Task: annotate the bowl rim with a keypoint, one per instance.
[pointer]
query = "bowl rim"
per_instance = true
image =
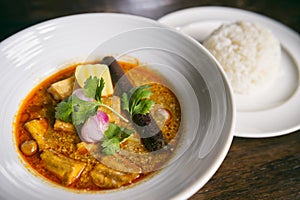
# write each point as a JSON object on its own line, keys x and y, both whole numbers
{"x": 189, "y": 191}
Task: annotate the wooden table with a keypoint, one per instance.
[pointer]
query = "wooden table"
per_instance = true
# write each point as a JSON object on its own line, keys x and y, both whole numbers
{"x": 254, "y": 168}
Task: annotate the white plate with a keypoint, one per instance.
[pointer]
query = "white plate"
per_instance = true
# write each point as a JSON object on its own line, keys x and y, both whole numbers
{"x": 276, "y": 110}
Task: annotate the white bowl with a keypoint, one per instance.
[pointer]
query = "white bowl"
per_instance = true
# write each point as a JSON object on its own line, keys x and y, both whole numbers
{"x": 205, "y": 97}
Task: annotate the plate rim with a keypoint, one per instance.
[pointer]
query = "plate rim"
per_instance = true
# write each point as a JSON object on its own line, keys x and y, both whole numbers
{"x": 169, "y": 19}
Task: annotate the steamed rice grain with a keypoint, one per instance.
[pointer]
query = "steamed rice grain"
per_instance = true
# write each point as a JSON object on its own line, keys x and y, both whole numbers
{"x": 249, "y": 54}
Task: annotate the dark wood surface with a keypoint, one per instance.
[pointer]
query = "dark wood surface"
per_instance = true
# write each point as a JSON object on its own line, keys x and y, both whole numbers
{"x": 254, "y": 168}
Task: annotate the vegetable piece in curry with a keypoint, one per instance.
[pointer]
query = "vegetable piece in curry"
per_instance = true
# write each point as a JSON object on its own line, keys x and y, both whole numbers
{"x": 87, "y": 137}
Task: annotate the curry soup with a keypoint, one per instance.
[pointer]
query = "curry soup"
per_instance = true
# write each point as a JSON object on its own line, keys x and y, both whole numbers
{"x": 55, "y": 136}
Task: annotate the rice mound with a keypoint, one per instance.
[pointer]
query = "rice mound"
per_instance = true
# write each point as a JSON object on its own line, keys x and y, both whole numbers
{"x": 249, "y": 54}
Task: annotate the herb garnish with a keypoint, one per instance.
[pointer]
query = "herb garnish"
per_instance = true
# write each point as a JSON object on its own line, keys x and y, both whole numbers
{"x": 138, "y": 100}
{"x": 114, "y": 135}
{"x": 82, "y": 110}
{"x": 93, "y": 88}
{"x": 64, "y": 110}
{"x": 76, "y": 110}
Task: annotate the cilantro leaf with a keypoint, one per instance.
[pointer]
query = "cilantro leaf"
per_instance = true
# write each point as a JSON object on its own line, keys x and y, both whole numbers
{"x": 99, "y": 89}
{"x": 125, "y": 133}
{"x": 82, "y": 110}
{"x": 112, "y": 131}
{"x": 93, "y": 88}
{"x": 64, "y": 110}
{"x": 90, "y": 87}
{"x": 139, "y": 101}
{"x": 143, "y": 107}
{"x": 110, "y": 146}
{"x": 113, "y": 136}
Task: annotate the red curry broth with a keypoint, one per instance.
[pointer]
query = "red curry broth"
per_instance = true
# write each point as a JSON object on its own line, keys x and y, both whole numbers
{"x": 40, "y": 104}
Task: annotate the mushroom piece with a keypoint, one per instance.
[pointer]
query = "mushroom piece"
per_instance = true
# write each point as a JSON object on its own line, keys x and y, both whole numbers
{"x": 29, "y": 147}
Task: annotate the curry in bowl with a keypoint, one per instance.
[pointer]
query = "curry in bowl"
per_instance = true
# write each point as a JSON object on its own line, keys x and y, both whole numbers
{"x": 99, "y": 126}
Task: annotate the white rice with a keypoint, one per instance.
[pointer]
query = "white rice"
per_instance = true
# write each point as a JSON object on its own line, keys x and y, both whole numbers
{"x": 249, "y": 54}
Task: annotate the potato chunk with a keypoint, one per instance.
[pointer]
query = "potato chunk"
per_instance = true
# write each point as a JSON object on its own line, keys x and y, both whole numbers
{"x": 38, "y": 128}
{"x": 62, "y": 89}
{"x": 67, "y": 169}
{"x": 105, "y": 177}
